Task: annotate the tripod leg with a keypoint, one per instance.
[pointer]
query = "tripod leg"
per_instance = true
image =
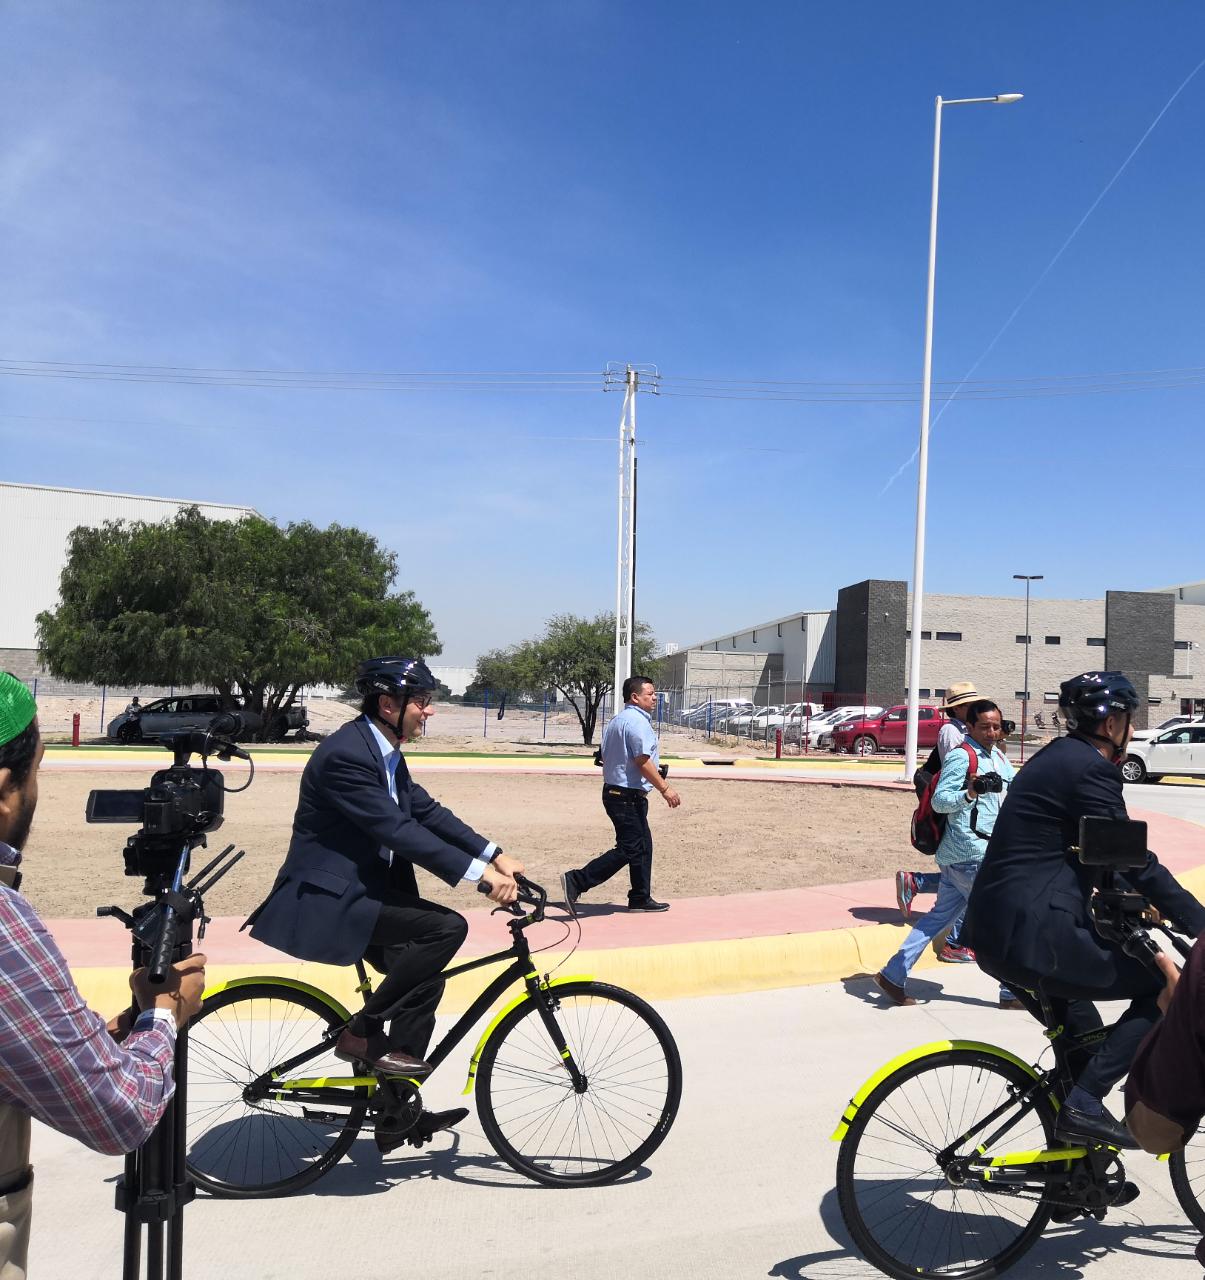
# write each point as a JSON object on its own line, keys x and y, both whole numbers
{"x": 132, "y": 1264}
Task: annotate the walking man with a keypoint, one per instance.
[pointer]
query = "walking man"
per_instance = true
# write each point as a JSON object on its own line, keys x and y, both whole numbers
{"x": 973, "y": 782}
{"x": 959, "y": 697}
{"x": 631, "y": 769}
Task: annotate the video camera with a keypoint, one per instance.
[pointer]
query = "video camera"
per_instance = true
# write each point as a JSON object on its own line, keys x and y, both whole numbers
{"x": 181, "y": 806}
{"x": 1120, "y": 915}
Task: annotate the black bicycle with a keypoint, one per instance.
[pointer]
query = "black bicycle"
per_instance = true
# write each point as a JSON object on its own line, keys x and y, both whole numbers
{"x": 949, "y": 1164}
{"x": 577, "y": 1082}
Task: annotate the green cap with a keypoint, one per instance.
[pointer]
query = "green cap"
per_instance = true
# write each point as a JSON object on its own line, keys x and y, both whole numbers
{"x": 17, "y": 708}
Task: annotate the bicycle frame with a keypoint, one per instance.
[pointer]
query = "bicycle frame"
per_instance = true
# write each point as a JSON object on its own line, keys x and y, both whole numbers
{"x": 334, "y": 1089}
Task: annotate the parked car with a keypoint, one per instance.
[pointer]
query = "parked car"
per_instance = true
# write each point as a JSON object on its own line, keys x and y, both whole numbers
{"x": 749, "y": 720}
{"x": 1145, "y": 735}
{"x": 818, "y": 733}
{"x": 1178, "y": 751}
{"x": 717, "y": 709}
{"x": 865, "y": 735}
{"x": 197, "y": 711}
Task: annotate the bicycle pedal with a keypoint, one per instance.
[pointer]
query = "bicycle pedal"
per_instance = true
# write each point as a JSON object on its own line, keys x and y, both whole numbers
{"x": 323, "y": 1117}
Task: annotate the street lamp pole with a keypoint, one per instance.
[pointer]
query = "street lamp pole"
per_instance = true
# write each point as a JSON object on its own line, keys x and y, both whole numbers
{"x": 922, "y": 484}
{"x": 1026, "y": 578}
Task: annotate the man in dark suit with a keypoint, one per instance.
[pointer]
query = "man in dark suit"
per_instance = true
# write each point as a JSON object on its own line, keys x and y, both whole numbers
{"x": 1028, "y": 918}
{"x": 347, "y": 889}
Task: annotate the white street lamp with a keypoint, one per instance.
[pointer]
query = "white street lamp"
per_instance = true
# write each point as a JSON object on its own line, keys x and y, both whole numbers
{"x": 1026, "y": 578}
{"x": 918, "y": 564}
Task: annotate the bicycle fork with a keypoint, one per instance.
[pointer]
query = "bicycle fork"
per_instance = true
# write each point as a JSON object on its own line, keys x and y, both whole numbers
{"x": 547, "y": 1004}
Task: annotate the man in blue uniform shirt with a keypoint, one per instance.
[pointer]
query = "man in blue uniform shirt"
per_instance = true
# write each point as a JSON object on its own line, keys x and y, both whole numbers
{"x": 630, "y": 757}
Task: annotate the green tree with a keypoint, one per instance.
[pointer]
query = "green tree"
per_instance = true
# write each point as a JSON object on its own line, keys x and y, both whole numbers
{"x": 246, "y": 607}
{"x": 575, "y": 656}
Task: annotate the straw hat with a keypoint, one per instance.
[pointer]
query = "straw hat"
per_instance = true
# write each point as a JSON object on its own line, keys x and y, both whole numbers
{"x": 960, "y": 693}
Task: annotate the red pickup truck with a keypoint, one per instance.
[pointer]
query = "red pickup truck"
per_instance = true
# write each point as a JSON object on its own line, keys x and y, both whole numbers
{"x": 888, "y": 731}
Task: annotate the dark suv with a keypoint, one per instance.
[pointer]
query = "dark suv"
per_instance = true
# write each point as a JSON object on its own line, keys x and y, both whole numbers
{"x": 197, "y": 711}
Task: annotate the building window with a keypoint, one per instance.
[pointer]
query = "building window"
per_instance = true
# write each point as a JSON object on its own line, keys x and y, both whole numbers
{"x": 1022, "y": 695}
{"x": 939, "y": 693}
{"x": 1182, "y": 644}
{"x": 734, "y": 642}
{"x": 1025, "y": 639}
{"x": 1053, "y": 640}
{"x": 1154, "y": 701}
{"x": 803, "y": 623}
{"x": 949, "y": 635}
{"x": 1097, "y": 642}
{"x": 924, "y": 693}
{"x": 1050, "y": 697}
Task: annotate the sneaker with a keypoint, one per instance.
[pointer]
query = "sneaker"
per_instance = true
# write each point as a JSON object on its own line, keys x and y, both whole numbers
{"x": 905, "y": 891}
{"x": 956, "y": 955}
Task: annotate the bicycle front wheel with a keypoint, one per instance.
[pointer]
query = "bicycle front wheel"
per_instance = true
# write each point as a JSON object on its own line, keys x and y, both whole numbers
{"x": 1188, "y": 1179}
{"x": 561, "y": 1135}
{"x": 912, "y": 1216}
{"x": 246, "y": 1136}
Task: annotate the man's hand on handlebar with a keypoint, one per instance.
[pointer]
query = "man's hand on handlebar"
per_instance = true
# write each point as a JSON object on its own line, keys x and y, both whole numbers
{"x": 1167, "y": 967}
{"x": 501, "y": 884}
{"x": 508, "y": 866}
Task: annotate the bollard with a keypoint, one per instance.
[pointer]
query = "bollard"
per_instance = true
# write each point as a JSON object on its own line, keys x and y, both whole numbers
{"x": 75, "y": 730}
{"x": 777, "y": 744}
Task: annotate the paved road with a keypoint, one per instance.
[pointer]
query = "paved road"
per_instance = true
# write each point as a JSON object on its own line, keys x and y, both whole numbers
{"x": 743, "y": 1187}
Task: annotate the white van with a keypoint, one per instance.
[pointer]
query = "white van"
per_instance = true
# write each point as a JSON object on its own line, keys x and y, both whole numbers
{"x": 1178, "y": 751}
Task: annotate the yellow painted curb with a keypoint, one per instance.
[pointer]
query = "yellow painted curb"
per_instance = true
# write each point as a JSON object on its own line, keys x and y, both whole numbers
{"x": 676, "y": 970}
{"x": 796, "y": 762}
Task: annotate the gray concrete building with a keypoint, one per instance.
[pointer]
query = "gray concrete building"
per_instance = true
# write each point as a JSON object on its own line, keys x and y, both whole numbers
{"x": 862, "y": 649}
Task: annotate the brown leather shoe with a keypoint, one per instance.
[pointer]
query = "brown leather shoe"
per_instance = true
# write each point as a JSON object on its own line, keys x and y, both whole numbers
{"x": 375, "y": 1051}
{"x": 897, "y": 995}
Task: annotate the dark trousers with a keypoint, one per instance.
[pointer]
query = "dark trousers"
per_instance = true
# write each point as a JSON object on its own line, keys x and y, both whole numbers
{"x": 413, "y": 941}
{"x": 1098, "y": 1069}
{"x": 628, "y": 809}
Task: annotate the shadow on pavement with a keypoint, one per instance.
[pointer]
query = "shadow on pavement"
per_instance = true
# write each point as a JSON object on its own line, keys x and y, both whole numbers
{"x": 861, "y": 986}
{"x": 1066, "y": 1252}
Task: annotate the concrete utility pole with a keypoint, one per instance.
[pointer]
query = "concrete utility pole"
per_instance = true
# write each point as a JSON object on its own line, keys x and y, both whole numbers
{"x": 635, "y": 379}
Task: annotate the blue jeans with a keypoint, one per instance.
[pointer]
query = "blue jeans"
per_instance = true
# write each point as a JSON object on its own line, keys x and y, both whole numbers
{"x": 953, "y": 890}
{"x": 927, "y": 882}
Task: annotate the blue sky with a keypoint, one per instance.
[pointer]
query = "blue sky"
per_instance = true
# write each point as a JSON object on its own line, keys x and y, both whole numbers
{"x": 725, "y": 192}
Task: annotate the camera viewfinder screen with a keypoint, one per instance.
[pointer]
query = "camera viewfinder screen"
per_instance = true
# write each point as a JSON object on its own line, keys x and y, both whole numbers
{"x": 114, "y": 806}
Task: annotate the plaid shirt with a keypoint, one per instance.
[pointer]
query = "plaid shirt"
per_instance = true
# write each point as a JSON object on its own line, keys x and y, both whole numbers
{"x": 58, "y": 1062}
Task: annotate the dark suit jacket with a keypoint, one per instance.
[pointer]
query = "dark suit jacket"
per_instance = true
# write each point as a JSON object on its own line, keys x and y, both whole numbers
{"x": 1028, "y": 915}
{"x": 327, "y": 896}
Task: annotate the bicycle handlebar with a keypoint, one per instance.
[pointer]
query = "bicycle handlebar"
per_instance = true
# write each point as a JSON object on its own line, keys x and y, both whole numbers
{"x": 529, "y": 892}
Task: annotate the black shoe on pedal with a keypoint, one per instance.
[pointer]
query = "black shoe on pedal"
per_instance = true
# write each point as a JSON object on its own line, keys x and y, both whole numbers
{"x": 421, "y": 1131}
{"x": 1075, "y": 1126}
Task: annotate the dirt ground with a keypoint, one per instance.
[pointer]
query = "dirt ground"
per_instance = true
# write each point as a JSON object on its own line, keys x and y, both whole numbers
{"x": 727, "y": 837}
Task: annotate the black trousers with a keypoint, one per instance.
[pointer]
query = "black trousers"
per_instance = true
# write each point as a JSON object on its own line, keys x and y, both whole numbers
{"x": 413, "y": 941}
{"x": 1099, "y": 1066}
{"x": 628, "y": 809}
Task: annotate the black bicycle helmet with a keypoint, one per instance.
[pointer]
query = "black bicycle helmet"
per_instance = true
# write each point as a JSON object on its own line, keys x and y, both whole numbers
{"x": 394, "y": 675}
{"x": 1089, "y": 698}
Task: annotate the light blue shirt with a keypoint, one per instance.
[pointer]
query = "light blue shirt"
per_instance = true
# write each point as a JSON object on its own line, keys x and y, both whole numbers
{"x": 629, "y": 734}
{"x": 392, "y": 756}
{"x": 960, "y": 843}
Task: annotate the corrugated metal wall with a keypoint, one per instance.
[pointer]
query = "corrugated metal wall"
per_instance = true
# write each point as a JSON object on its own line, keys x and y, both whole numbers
{"x": 34, "y": 525}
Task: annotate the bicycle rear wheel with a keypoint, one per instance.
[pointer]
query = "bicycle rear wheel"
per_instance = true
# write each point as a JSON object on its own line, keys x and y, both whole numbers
{"x": 244, "y": 1140}
{"x": 541, "y": 1125}
{"x": 910, "y": 1216}
{"x": 1188, "y": 1179}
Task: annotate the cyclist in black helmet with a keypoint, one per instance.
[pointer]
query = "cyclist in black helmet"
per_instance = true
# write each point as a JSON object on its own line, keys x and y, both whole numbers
{"x": 347, "y": 890}
{"x": 1028, "y": 917}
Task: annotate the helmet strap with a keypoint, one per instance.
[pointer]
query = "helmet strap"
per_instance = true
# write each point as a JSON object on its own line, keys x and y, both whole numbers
{"x": 1117, "y": 752}
{"x": 395, "y": 729}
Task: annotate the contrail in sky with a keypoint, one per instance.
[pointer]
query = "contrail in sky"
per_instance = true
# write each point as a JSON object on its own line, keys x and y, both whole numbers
{"x": 1037, "y": 284}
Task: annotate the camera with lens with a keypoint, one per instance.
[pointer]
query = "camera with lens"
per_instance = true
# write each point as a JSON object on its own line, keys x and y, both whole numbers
{"x": 182, "y": 804}
{"x": 984, "y": 783}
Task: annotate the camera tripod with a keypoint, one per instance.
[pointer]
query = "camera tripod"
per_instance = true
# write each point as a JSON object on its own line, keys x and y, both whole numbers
{"x": 154, "y": 1187}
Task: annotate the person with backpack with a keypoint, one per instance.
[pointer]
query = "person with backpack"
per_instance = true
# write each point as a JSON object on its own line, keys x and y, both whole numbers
{"x": 961, "y": 695}
{"x": 967, "y": 794}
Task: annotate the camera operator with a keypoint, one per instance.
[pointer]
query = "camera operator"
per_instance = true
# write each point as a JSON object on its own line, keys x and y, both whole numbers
{"x": 1029, "y": 919}
{"x": 973, "y": 778}
{"x": 59, "y": 1061}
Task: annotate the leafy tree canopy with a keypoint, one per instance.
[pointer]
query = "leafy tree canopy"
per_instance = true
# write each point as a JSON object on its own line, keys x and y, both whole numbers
{"x": 575, "y": 656}
{"x": 245, "y": 607}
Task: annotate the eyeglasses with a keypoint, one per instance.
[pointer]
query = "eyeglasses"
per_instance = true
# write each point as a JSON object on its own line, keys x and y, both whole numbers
{"x": 422, "y": 700}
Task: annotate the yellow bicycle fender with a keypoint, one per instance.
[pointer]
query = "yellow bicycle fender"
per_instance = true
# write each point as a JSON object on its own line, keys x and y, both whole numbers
{"x": 514, "y": 1004}
{"x": 292, "y": 983}
{"x": 912, "y": 1055}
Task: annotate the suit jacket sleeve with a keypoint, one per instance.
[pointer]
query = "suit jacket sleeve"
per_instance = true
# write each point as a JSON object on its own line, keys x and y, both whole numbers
{"x": 1101, "y": 794}
{"x": 354, "y": 787}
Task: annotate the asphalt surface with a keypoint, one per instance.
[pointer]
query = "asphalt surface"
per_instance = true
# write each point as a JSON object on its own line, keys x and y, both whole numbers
{"x": 742, "y": 1187}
